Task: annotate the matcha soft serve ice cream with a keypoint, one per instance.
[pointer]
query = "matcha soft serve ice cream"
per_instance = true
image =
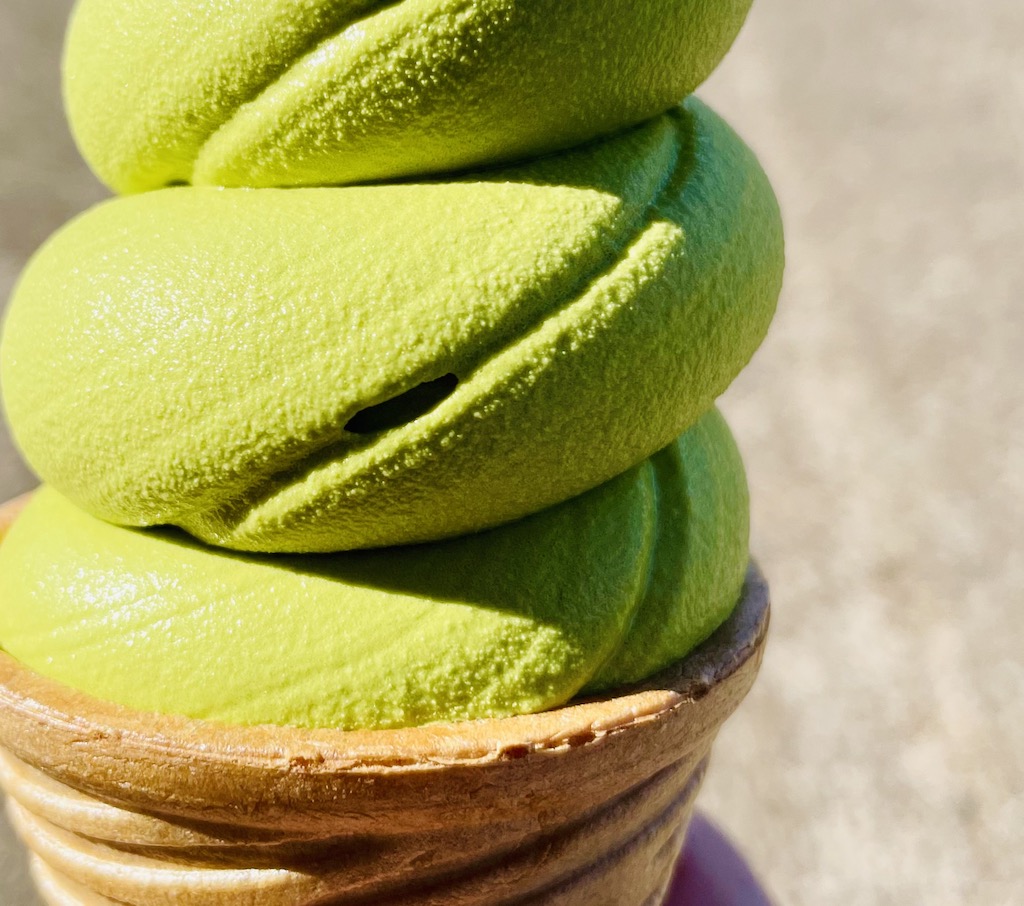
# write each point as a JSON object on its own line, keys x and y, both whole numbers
{"x": 390, "y": 547}
{"x": 436, "y": 446}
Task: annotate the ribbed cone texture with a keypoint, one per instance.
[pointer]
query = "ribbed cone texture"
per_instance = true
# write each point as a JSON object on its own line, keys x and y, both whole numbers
{"x": 586, "y": 805}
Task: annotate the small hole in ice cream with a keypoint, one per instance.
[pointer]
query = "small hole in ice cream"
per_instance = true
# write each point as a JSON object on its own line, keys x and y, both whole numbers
{"x": 404, "y": 408}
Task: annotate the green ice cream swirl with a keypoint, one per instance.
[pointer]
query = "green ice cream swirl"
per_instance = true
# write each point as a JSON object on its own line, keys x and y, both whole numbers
{"x": 318, "y": 371}
{"x": 306, "y": 92}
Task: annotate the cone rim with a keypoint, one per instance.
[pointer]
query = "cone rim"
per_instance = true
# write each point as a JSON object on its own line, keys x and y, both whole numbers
{"x": 42, "y": 720}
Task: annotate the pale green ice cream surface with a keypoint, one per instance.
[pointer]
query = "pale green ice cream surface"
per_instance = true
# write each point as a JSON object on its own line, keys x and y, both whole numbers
{"x": 600, "y": 590}
{"x": 301, "y": 92}
{"x": 196, "y": 356}
{"x": 504, "y": 361}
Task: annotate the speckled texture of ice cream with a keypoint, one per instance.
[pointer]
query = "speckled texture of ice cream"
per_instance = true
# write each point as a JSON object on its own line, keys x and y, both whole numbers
{"x": 324, "y": 368}
{"x": 301, "y": 92}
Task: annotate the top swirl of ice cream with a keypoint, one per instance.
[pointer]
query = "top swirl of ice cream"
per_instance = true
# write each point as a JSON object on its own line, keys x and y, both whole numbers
{"x": 316, "y": 92}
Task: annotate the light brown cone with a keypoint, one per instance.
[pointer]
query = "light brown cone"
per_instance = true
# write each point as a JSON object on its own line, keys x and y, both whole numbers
{"x": 585, "y": 805}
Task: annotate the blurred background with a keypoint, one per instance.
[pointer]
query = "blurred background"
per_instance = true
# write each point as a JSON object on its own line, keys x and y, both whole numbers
{"x": 880, "y": 758}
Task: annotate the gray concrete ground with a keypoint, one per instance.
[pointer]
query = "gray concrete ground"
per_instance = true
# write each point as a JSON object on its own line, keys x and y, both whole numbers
{"x": 879, "y": 760}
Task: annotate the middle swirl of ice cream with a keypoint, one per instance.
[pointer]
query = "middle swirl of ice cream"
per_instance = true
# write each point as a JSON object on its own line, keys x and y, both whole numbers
{"x": 329, "y": 368}
{"x": 333, "y": 368}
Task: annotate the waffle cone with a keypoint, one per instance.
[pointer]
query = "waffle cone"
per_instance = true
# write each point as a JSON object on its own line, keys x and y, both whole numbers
{"x": 585, "y": 805}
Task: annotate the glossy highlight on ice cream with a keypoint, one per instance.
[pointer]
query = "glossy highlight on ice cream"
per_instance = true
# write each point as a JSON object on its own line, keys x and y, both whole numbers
{"x": 444, "y": 446}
